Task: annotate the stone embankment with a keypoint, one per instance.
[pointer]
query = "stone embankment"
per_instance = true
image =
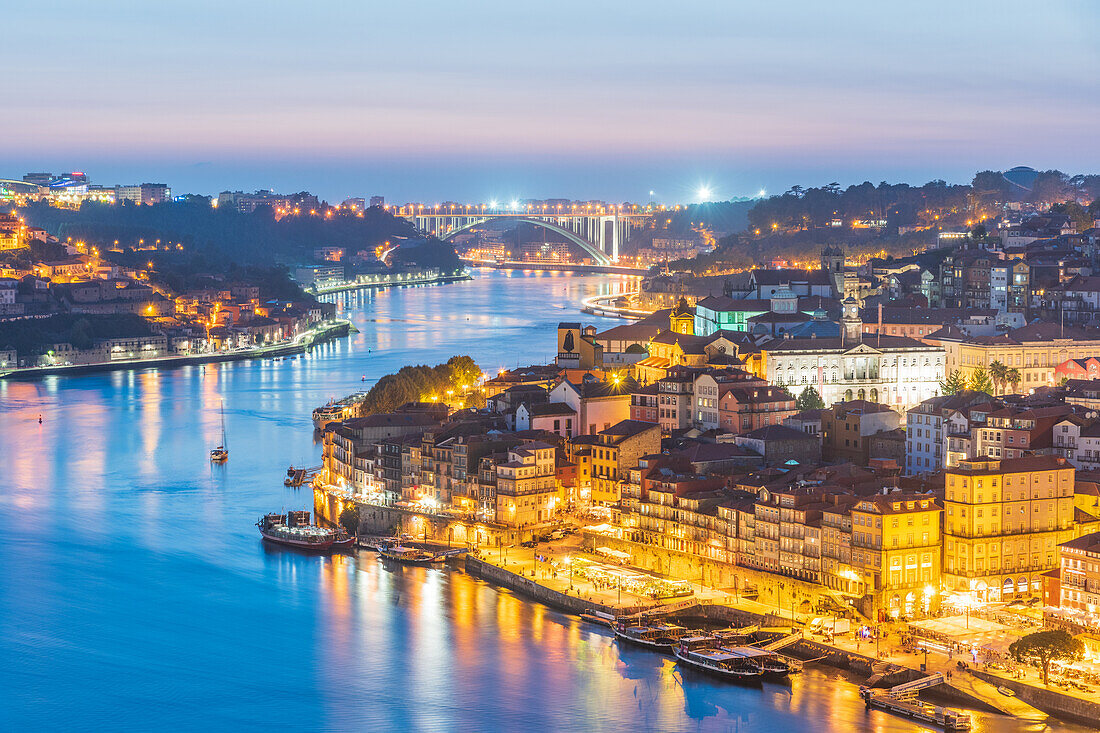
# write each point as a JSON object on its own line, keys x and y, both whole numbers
{"x": 1051, "y": 702}
{"x": 300, "y": 344}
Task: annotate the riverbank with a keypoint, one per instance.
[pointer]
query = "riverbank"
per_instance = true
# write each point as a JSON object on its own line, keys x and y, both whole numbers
{"x": 972, "y": 691}
{"x": 389, "y": 281}
{"x": 317, "y": 334}
{"x": 604, "y": 305}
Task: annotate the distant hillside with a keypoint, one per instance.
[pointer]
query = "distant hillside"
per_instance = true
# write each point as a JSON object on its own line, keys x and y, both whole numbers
{"x": 255, "y": 238}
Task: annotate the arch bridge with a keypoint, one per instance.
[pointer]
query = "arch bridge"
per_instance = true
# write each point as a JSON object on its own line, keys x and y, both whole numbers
{"x": 597, "y": 235}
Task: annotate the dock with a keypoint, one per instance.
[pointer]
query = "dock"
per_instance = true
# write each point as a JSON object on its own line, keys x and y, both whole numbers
{"x": 296, "y": 477}
{"x": 902, "y": 700}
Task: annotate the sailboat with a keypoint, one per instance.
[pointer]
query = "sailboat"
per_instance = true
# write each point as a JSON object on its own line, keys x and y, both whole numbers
{"x": 221, "y": 453}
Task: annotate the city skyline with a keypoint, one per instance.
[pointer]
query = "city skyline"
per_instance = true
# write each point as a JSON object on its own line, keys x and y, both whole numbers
{"x": 734, "y": 99}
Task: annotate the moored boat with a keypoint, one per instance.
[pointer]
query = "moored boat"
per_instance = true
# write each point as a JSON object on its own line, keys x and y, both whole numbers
{"x": 343, "y": 540}
{"x": 720, "y": 662}
{"x": 322, "y": 416}
{"x": 771, "y": 664}
{"x": 294, "y": 530}
{"x": 337, "y": 410}
{"x": 659, "y": 638}
{"x": 408, "y": 555}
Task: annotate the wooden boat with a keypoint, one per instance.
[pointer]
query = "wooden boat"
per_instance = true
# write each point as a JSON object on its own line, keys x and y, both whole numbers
{"x": 719, "y": 662}
{"x": 408, "y": 555}
{"x": 659, "y": 638}
{"x": 597, "y": 618}
{"x": 343, "y": 540}
{"x": 770, "y": 664}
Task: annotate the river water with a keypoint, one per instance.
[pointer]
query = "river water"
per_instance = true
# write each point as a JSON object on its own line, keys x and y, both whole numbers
{"x": 135, "y": 592}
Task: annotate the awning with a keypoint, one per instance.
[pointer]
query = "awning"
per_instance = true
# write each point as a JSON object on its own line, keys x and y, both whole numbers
{"x": 617, "y": 554}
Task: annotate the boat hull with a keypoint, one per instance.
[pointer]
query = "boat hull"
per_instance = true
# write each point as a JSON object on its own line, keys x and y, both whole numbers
{"x": 741, "y": 678}
{"x": 662, "y": 644}
{"x": 410, "y": 560}
{"x": 322, "y": 546}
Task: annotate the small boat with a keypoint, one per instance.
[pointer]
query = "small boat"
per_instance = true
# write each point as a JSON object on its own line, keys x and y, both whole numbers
{"x": 1006, "y": 691}
{"x": 343, "y": 540}
{"x": 294, "y": 530}
{"x": 595, "y": 618}
{"x": 408, "y": 555}
{"x": 720, "y": 662}
{"x": 221, "y": 453}
{"x": 659, "y": 638}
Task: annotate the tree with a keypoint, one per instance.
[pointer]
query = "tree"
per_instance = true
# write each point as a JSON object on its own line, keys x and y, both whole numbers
{"x": 997, "y": 372}
{"x": 980, "y": 381}
{"x": 1012, "y": 376}
{"x": 953, "y": 384}
{"x": 1044, "y": 647}
{"x": 809, "y": 400}
{"x": 349, "y": 519}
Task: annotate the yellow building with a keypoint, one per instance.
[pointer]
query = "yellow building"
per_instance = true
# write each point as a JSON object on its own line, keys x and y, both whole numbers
{"x": 605, "y": 459}
{"x": 527, "y": 490}
{"x": 682, "y": 318}
{"x": 1034, "y": 350}
{"x": 13, "y": 232}
{"x": 896, "y": 549}
{"x": 1002, "y": 524}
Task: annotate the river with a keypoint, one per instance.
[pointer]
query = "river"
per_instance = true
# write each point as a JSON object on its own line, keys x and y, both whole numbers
{"x": 135, "y": 592}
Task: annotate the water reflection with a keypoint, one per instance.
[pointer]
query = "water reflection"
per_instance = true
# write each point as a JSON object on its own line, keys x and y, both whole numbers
{"x": 136, "y": 592}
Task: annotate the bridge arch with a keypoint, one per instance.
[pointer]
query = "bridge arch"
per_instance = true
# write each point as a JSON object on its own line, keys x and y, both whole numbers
{"x": 597, "y": 255}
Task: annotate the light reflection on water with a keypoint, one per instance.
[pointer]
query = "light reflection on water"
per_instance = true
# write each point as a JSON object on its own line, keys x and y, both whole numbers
{"x": 135, "y": 593}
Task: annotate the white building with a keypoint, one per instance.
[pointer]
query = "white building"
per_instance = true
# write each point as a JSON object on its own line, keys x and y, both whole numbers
{"x": 1078, "y": 441}
{"x": 938, "y": 431}
{"x": 893, "y": 370}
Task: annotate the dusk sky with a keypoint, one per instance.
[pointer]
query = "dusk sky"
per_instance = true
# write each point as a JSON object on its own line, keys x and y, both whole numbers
{"x": 471, "y": 101}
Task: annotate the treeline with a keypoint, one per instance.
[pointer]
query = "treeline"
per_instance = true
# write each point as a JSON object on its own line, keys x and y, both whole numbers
{"x": 899, "y": 204}
{"x": 180, "y": 271}
{"x": 224, "y": 234}
{"x": 36, "y": 335}
{"x": 416, "y": 383}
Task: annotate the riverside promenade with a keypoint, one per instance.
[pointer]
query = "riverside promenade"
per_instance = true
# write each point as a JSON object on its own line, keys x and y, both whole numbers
{"x": 299, "y": 344}
{"x": 543, "y": 574}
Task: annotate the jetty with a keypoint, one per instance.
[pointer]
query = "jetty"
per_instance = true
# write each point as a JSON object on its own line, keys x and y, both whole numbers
{"x": 902, "y": 700}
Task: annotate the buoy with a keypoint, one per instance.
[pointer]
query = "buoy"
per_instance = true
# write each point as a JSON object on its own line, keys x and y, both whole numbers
{"x": 39, "y": 419}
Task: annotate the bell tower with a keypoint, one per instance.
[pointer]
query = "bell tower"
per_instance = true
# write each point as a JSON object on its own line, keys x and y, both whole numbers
{"x": 851, "y": 325}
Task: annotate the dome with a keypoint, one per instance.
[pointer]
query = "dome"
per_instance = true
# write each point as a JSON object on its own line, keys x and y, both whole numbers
{"x": 1021, "y": 176}
{"x": 785, "y": 292}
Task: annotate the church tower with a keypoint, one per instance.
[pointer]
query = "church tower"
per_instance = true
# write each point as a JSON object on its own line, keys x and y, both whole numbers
{"x": 832, "y": 262}
{"x": 851, "y": 325}
{"x": 682, "y": 318}
{"x": 832, "y": 259}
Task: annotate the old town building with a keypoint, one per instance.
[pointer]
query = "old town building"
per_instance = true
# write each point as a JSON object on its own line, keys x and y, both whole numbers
{"x": 1003, "y": 521}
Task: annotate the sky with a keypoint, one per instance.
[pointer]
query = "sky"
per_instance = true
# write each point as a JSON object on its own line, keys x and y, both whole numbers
{"x": 473, "y": 101}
